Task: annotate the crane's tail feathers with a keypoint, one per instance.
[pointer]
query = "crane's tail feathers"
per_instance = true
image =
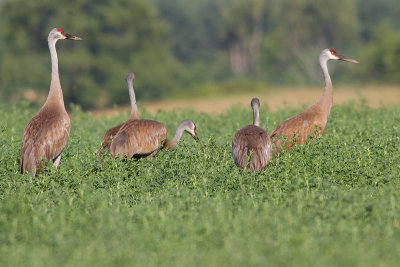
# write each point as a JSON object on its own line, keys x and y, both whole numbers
{"x": 31, "y": 161}
{"x": 258, "y": 159}
{"x": 21, "y": 166}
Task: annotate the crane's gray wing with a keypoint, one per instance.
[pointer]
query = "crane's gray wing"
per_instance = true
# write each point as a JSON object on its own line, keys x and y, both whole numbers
{"x": 139, "y": 138}
{"x": 45, "y": 137}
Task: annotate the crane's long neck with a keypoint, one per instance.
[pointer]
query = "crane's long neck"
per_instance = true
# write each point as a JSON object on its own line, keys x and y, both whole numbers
{"x": 326, "y": 99}
{"x": 256, "y": 116}
{"x": 55, "y": 94}
{"x": 134, "y": 110}
{"x": 171, "y": 144}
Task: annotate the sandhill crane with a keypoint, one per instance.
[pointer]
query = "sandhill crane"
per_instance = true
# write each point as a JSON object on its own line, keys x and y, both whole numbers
{"x": 107, "y": 138}
{"x": 313, "y": 120}
{"x": 46, "y": 134}
{"x": 144, "y": 138}
{"x": 251, "y": 145}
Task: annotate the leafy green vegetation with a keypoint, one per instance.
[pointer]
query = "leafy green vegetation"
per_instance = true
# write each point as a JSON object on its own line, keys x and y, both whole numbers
{"x": 332, "y": 202}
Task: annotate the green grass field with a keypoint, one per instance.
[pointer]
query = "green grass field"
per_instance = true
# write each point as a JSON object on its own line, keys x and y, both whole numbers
{"x": 332, "y": 202}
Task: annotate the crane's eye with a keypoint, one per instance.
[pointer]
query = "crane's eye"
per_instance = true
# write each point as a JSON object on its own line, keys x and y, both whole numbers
{"x": 333, "y": 52}
{"x": 194, "y": 126}
{"x": 61, "y": 31}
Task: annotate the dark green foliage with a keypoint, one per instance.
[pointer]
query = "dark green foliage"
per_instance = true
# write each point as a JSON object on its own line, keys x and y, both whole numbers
{"x": 372, "y": 12}
{"x": 331, "y": 202}
{"x": 301, "y": 29}
{"x": 382, "y": 55}
{"x": 176, "y": 47}
{"x": 118, "y": 37}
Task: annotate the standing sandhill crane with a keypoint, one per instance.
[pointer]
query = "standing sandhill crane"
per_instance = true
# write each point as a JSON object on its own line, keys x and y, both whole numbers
{"x": 108, "y": 136}
{"x": 251, "y": 145}
{"x": 313, "y": 120}
{"x": 46, "y": 134}
{"x": 144, "y": 138}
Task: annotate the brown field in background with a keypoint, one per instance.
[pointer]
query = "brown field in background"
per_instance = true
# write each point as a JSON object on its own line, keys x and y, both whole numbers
{"x": 275, "y": 99}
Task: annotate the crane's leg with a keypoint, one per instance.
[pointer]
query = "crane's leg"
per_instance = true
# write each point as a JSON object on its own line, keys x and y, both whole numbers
{"x": 150, "y": 156}
{"x": 57, "y": 160}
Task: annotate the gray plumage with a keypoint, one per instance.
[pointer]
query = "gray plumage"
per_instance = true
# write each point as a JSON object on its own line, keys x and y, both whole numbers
{"x": 144, "y": 138}
{"x": 46, "y": 134}
{"x": 251, "y": 145}
{"x": 109, "y": 135}
{"x": 313, "y": 120}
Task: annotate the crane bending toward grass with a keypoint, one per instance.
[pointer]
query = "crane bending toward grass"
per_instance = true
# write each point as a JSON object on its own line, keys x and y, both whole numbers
{"x": 109, "y": 135}
{"x": 46, "y": 134}
{"x": 301, "y": 127}
{"x": 251, "y": 145}
{"x": 144, "y": 138}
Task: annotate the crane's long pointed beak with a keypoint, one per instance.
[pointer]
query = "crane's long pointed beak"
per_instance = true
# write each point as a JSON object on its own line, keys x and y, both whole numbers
{"x": 196, "y": 138}
{"x": 348, "y": 59}
{"x": 71, "y": 37}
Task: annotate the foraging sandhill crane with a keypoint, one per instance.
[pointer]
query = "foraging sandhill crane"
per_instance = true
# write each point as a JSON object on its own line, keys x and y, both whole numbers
{"x": 144, "y": 138}
{"x": 313, "y": 120}
{"x": 251, "y": 145}
{"x": 108, "y": 136}
{"x": 46, "y": 134}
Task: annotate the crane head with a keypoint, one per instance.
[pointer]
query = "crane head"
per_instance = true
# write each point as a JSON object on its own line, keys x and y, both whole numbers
{"x": 130, "y": 76}
{"x": 59, "y": 33}
{"x": 331, "y": 54}
{"x": 193, "y": 132}
{"x": 190, "y": 127}
{"x": 255, "y": 101}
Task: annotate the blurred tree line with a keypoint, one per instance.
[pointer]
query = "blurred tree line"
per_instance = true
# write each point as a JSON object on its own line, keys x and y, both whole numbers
{"x": 180, "y": 47}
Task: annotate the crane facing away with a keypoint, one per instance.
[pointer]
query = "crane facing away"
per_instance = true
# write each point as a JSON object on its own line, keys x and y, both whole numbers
{"x": 144, "y": 138}
{"x": 108, "y": 136}
{"x": 46, "y": 134}
{"x": 251, "y": 145}
{"x": 312, "y": 121}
